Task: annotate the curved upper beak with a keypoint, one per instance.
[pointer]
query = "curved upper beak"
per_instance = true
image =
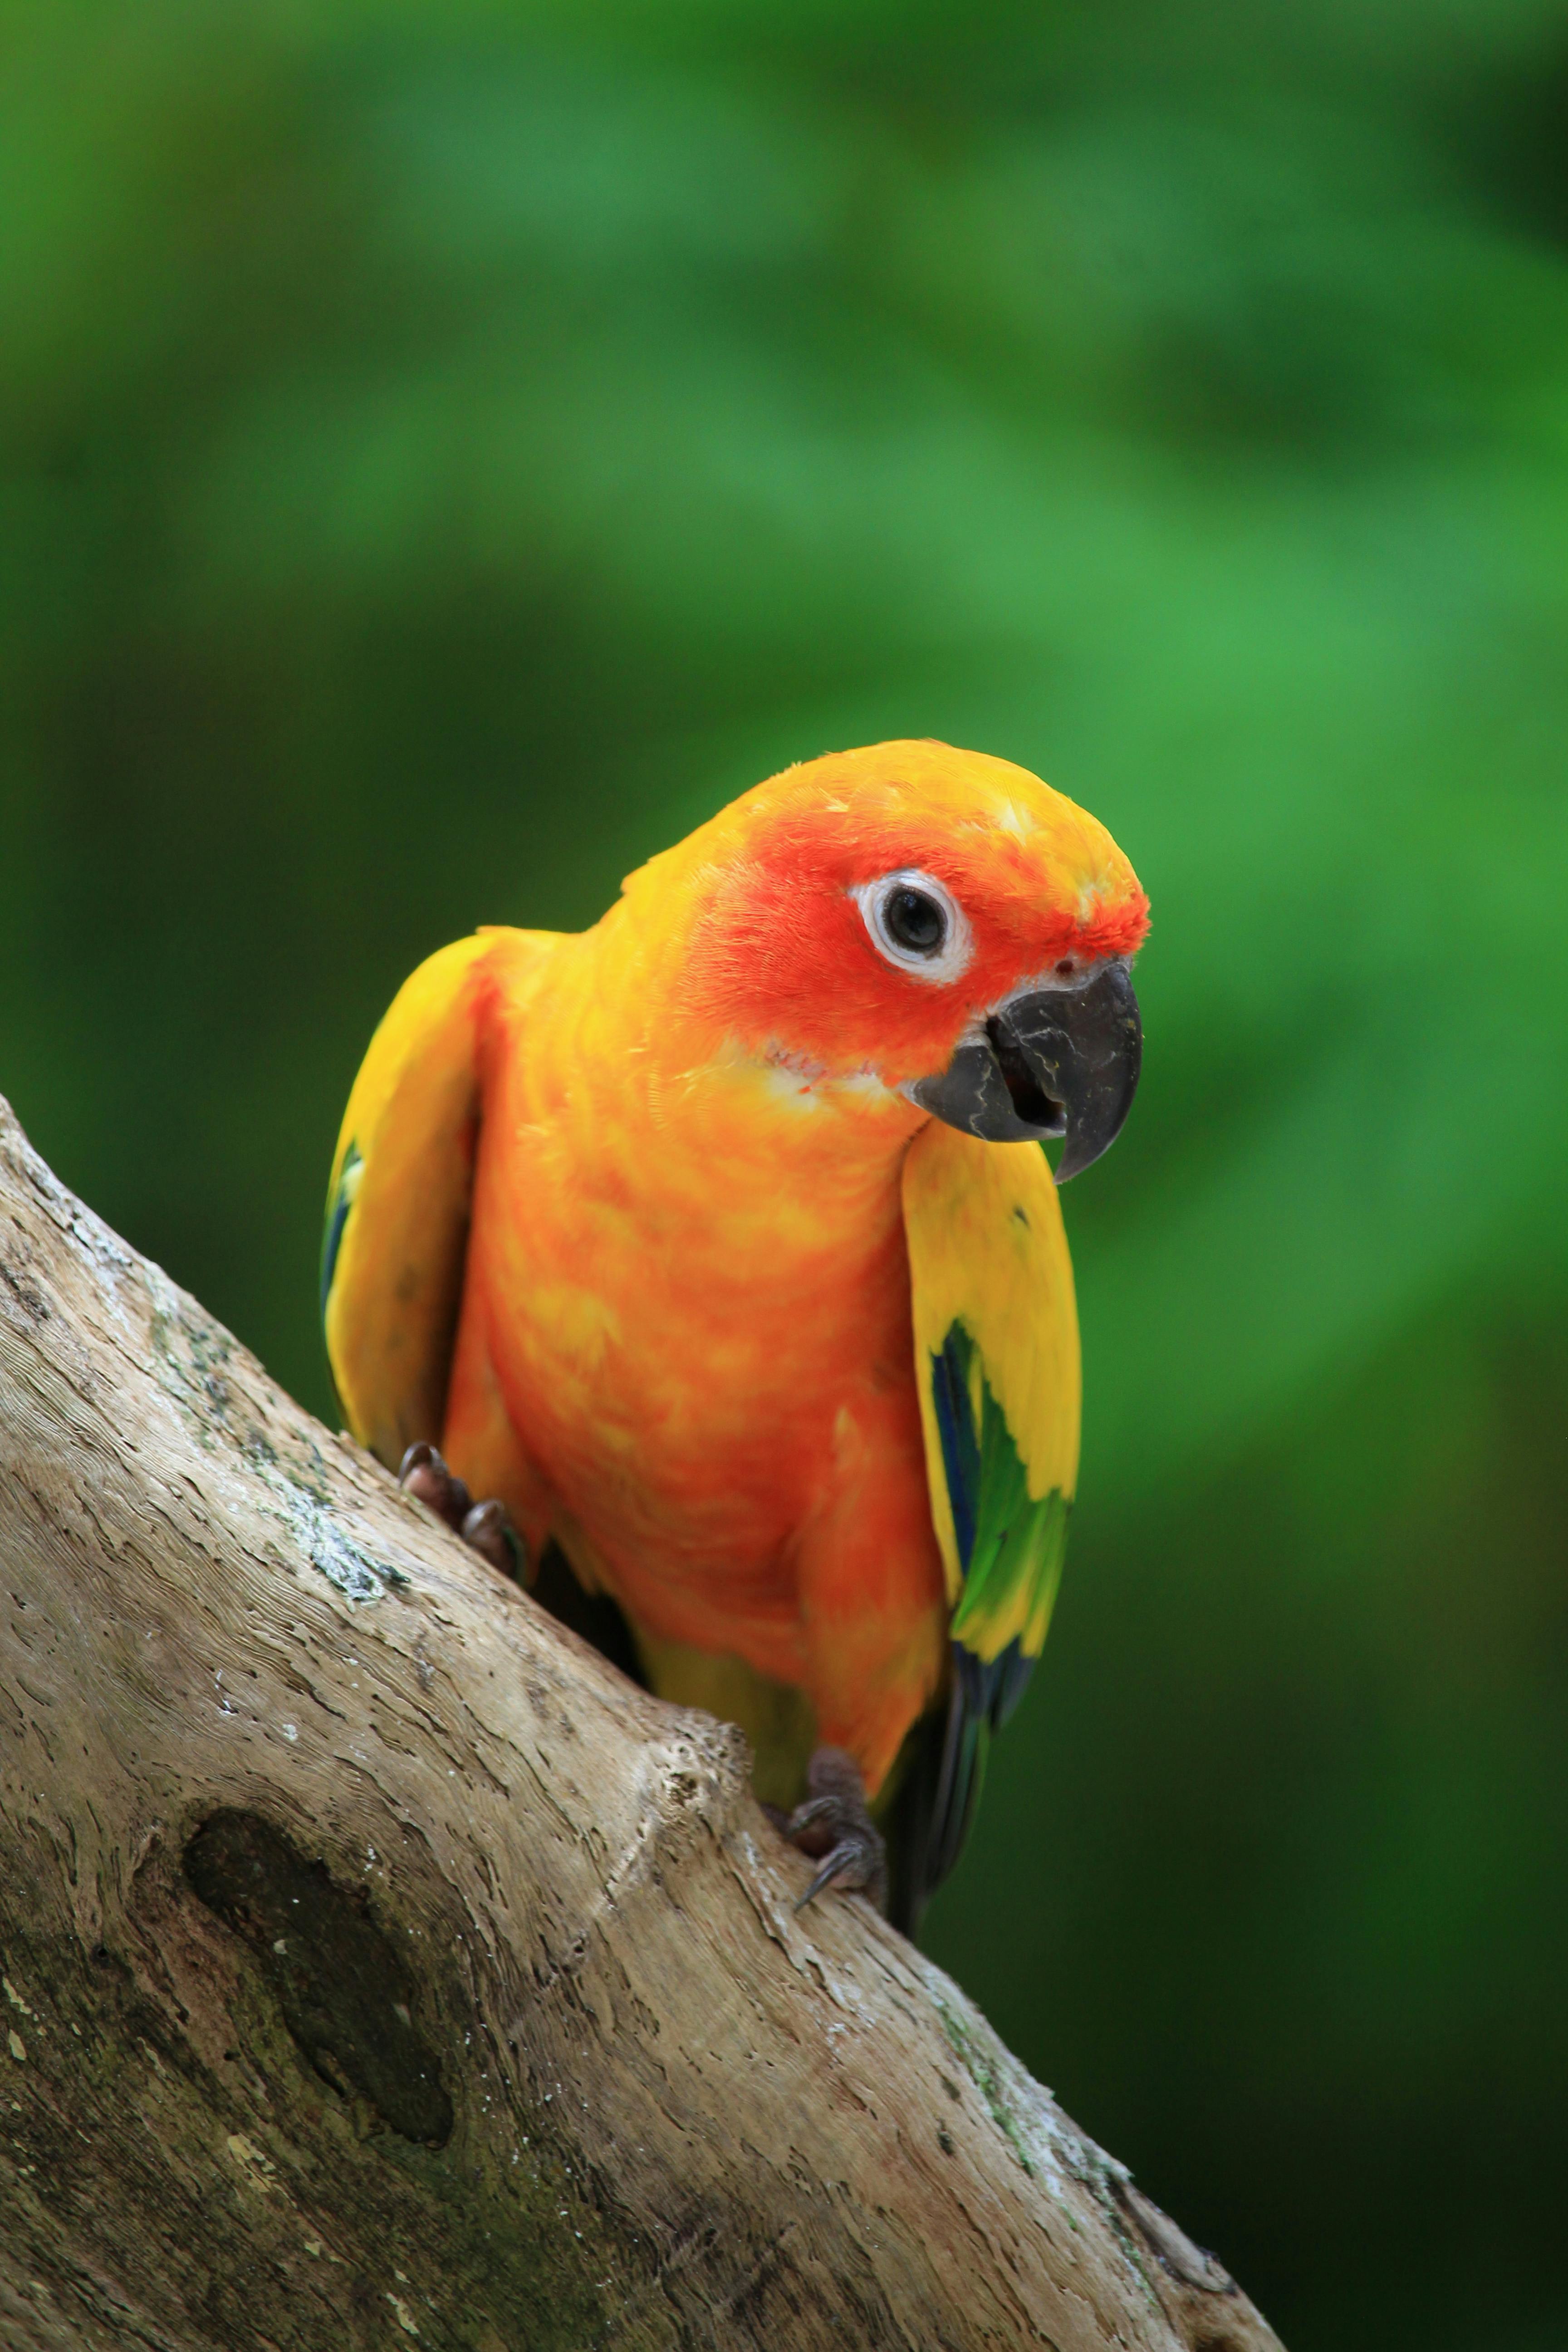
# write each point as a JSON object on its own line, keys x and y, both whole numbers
{"x": 1058, "y": 1061}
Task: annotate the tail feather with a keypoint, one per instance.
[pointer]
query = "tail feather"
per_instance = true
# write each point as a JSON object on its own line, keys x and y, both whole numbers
{"x": 931, "y": 1813}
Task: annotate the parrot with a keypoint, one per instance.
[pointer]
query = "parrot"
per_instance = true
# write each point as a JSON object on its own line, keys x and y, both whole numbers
{"x": 717, "y": 1248}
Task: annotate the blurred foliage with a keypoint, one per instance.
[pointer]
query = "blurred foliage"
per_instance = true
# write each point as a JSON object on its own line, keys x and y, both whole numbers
{"x": 450, "y": 449}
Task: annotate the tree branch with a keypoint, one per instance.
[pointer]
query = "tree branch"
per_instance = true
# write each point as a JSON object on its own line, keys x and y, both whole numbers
{"x": 380, "y": 1966}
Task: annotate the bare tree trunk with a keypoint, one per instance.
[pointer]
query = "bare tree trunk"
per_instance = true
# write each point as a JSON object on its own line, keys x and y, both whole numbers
{"x": 380, "y": 1966}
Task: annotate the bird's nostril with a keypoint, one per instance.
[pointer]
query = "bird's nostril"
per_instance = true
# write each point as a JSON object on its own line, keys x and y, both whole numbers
{"x": 1031, "y": 1102}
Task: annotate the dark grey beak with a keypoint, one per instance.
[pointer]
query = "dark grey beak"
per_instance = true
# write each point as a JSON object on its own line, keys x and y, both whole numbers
{"x": 1060, "y": 1062}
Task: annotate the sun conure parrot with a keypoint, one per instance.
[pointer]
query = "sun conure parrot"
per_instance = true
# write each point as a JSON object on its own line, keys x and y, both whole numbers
{"x": 717, "y": 1245}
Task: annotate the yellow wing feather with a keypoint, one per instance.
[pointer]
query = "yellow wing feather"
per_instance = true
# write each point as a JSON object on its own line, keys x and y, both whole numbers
{"x": 398, "y": 1206}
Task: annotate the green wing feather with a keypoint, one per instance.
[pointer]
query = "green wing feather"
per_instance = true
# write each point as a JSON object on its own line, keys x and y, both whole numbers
{"x": 1011, "y": 1544}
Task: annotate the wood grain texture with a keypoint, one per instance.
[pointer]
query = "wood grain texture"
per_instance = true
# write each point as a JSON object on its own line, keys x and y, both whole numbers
{"x": 381, "y": 1968}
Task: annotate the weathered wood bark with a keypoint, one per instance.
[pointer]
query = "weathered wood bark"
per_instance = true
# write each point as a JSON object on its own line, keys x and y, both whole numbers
{"x": 379, "y": 1966}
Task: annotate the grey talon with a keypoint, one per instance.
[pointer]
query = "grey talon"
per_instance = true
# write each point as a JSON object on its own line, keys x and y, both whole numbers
{"x": 490, "y": 1532}
{"x": 485, "y": 1526}
{"x": 425, "y": 1476}
{"x": 834, "y": 1829}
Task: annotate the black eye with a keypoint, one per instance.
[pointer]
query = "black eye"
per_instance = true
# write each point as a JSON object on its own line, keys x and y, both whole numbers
{"x": 914, "y": 921}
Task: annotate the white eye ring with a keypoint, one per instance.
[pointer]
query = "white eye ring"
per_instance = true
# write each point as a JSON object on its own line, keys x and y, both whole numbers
{"x": 949, "y": 955}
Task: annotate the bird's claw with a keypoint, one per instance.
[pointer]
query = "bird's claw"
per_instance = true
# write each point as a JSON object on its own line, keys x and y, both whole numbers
{"x": 488, "y": 1530}
{"x": 484, "y": 1526}
{"x": 425, "y": 1476}
{"x": 835, "y": 1830}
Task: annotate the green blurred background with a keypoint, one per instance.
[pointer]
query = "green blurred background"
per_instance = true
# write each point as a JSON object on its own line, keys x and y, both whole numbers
{"x": 449, "y": 449}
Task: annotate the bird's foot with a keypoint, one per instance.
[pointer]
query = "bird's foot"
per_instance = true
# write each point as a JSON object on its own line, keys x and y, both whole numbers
{"x": 833, "y": 1827}
{"x": 484, "y": 1526}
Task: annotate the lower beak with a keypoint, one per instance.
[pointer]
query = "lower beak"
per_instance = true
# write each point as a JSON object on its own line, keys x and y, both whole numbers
{"x": 1059, "y": 1061}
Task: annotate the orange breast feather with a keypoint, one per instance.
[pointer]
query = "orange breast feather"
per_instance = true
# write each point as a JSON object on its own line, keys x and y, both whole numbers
{"x": 692, "y": 1305}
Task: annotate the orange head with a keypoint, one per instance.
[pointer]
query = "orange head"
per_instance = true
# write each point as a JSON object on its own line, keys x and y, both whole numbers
{"x": 934, "y": 918}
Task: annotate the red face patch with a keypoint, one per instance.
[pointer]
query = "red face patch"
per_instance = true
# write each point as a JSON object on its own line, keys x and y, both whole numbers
{"x": 783, "y": 955}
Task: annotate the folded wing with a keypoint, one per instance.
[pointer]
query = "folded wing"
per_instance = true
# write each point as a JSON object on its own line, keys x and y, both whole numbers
{"x": 996, "y": 1359}
{"x": 398, "y": 1206}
